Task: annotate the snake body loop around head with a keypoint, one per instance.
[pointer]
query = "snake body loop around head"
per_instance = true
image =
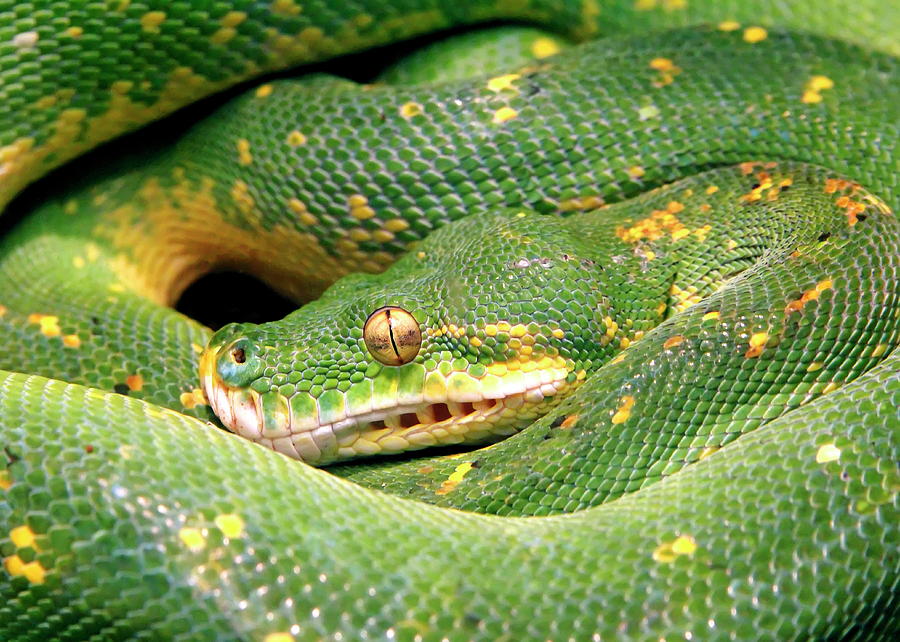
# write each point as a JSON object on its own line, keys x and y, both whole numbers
{"x": 650, "y": 282}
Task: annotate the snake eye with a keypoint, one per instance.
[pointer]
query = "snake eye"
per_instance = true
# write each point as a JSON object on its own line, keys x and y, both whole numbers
{"x": 392, "y": 335}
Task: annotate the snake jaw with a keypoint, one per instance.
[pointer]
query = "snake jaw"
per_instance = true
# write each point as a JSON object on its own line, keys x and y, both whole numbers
{"x": 238, "y": 409}
{"x": 301, "y": 428}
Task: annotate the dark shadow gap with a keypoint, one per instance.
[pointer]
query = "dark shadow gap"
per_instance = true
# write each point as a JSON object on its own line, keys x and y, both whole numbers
{"x": 226, "y": 297}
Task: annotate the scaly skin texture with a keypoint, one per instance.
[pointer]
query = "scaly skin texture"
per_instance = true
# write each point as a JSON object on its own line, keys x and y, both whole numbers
{"x": 750, "y": 449}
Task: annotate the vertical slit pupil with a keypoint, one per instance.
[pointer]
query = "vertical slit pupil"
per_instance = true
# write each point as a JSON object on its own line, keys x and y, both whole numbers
{"x": 390, "y": 326}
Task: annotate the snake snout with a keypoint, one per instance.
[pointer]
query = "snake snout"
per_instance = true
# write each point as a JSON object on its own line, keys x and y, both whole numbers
{"x": 228, "y": 366}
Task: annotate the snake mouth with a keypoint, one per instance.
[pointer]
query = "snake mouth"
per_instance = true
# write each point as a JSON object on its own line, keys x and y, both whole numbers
{"x": 300, "y": 427}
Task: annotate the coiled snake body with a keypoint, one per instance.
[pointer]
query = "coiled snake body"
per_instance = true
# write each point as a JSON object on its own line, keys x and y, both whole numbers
{"x": 698, "y": 359}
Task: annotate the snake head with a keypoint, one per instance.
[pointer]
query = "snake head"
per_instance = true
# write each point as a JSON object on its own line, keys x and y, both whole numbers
{"x": 437, "y": 350}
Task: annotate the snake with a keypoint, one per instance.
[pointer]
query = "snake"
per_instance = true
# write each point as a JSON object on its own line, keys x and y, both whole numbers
{"x": 642, "y": 289}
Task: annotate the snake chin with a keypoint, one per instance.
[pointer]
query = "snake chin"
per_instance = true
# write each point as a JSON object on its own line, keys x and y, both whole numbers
{"x": 270, "y": 419}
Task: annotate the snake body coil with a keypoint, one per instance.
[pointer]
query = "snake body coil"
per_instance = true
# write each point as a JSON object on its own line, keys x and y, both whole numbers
{"x": 698, "y": 359}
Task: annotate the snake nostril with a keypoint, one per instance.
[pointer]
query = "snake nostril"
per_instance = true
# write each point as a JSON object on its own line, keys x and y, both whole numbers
{"x": 237, "y": 361}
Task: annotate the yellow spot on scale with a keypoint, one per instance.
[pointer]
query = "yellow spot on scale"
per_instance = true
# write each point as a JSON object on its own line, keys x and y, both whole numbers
{"x": 455, "y": 477}
{"x": 757, "y": 344}
{"x": 671, "y": 342}
{"x": 32, "y": 571}
{"x": 3, "y": 309}
{"x": 134, "y": 382}
{"x": 193, "y": 538}
{"x": 359, "y": 207}
{"x": 815, "y": 365}
{"x": 22, "y": 537}
{"x": 702, "y": 232}
{"x": 623, "y": 412}
{"x": 667, "y": 71}
{"x": 712, "y": 189}
{"x": 711, "y": 316}
{"x": 71, "y": 341}
{"x": 833, "y": 185}
{"x": 635, "y": 171}
{"x": 879, "y": 350}
{"x": 831, "y": 387}
{"x": 611, "y": 328}
{"x": 193, "y": 398}
{"x": 706, "y": 452}
{"x": 46, "y": 102}
{"x": 518, "y": 330}
{"x": 662, "y": 64}
{"x": 78, "y": 262}
{"x": 504, "y": 114}
{"x": 809, "y": 295}
{"x": 5, "y": 480}
{"x": 233, "y": 18}
{"x": 295, "y": 138}
{"x": 684, "y": 297}
{"x": 852, "y": 208}
{"x": 569, "y": 421}
{"x": 827, "y": 453}
{"x": 74, "y": 32}
{"x": 668, "y": 552}
{"x": 240, "y": 193}
{"x": 278, "y": 637}
{"x": 409, "y": 110}
{"x": 504, "y": 82}
{"x": 558, "y": 333}
{"x": 223, "y": 35}
{"x": 264, "y": 91}
{"x": 243, "y": 149}
{"x": 812, "y": 91}
{"x": 580, "y": 203}
{"x": 653, "y": 227}
{"x": 666, "y": 5}
{"x": 285, "y": 8}
{"x": 647, "y": 112}
{"x": 49, "y": 324}
{"x": 121, "y": 87}
{"x": 755, "y": 34}
{"x": 230, "y": 524}
{"x": 544, "y": 48}
{"x": 729, "y": 25}
{"x": 396, "y": 225}
{"x": 151, "y": 20}
{"x": 360, "y": 234}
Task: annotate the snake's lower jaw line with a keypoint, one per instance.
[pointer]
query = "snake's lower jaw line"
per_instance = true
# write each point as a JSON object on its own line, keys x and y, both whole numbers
{"x": 238, "y": 409}
{"x": 385, "y": 431}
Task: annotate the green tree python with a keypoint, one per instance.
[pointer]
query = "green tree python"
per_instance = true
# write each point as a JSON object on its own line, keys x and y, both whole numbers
{"x": 692, "y": 375}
